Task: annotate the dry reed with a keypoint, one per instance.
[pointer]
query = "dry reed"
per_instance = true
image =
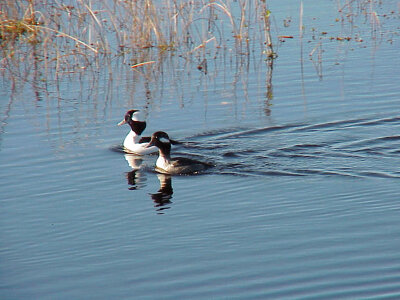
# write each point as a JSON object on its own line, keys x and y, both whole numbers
{"x": 74, "y": 37}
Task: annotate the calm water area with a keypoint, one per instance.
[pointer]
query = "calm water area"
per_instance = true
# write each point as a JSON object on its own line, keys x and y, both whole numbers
{"x": 303, "y": 201}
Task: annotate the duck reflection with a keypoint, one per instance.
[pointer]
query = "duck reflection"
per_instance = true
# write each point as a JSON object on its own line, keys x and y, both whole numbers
{"x": 134, "y": 161}
{"x": 136, "y": 178}
{"x": 163, "y": 196}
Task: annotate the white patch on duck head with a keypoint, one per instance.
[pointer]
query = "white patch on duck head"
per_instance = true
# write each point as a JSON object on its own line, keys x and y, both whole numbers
{"x": 137, "y": 116}
{"x": 164, "y": 140}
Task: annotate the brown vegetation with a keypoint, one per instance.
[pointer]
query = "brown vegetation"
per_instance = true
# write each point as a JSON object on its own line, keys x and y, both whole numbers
{"x": 73, "y": 38}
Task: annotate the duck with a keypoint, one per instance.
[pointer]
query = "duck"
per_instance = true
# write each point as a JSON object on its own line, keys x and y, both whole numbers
{"x": 134, "y": 142}
{"x": 165, "y": 164}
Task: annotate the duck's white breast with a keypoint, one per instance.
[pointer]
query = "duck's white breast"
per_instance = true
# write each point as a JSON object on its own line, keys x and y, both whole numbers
{"x": 132, "y": 144}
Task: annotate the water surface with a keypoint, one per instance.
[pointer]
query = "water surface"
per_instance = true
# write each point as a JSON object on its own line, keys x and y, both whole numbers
{"x": 303, "y": 201}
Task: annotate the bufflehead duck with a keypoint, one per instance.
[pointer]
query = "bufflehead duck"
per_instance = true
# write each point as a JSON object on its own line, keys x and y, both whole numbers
{"x": 134, "y": 142}
{"x": 174, "y": 166}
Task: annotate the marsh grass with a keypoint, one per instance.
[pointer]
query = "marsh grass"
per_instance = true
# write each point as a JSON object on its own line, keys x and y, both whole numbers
{"x": 67, "y": 37}
{"x": 41, "y": 42}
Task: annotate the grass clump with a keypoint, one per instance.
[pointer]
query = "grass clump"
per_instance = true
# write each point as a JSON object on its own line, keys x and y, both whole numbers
{"x": 16, "y": 23}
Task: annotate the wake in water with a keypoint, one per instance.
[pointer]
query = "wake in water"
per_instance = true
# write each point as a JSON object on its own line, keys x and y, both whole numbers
{"x": 354, "y": 148}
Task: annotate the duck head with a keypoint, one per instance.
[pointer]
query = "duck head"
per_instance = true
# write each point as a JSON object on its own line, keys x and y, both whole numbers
{"x": 137, "y": 126}
{"x": 128, "y": 117}
{"x": 161, "y": 140}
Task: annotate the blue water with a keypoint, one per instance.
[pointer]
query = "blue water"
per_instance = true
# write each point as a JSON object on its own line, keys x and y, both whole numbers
{"x": 303, "y": 201}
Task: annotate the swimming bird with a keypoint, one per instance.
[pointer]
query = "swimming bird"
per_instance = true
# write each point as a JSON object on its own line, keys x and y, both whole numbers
{"x": 134, "y": 142}
{"x": 174, "y": 166}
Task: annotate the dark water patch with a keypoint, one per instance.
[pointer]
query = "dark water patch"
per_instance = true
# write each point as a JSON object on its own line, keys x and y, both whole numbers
{"x": 214, "y": 133}
{"x": 330, "y": 125}
{"x": 238, "y": 154}
{"x": 256, "y": 131}
{"x": 348, "y": 123}
{"x": 273, "y": 173}
{"x": 382, "y": 121}
{"x": 230, "y": 154}
{"x": 237, "y": 132}
{"x": 384, "y": 146}
{"x": 301, "y": 147}
{"x": 292, "y": 155}
{"x": 324, "y": 173}
{"x": 258, "y": 173}
{"x": 376, "y": 151}
{"x": 390, "y": 138}
{"x": 210, "y": 145}
{"x": 373, "y": 141}
{"x": 338, "y": 153}
{"x": 300, "y": 150}
{"x": 379, "y": 174}
{"x": 234, "y": 174}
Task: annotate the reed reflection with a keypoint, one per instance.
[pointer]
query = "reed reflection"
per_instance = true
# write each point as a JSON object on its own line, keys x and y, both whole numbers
{"x": 269, "y": 94}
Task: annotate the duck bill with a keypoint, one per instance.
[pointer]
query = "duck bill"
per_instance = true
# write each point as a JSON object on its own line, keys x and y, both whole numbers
{"x": 122, "y": 122}
{"x": 150, "y": 144}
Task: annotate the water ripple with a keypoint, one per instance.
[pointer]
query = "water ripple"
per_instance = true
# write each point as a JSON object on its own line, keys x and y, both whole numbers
{"x": 348, "y": 148}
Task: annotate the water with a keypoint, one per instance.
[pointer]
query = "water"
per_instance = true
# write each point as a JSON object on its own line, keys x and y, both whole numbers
{"x": 302, "y": 202}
